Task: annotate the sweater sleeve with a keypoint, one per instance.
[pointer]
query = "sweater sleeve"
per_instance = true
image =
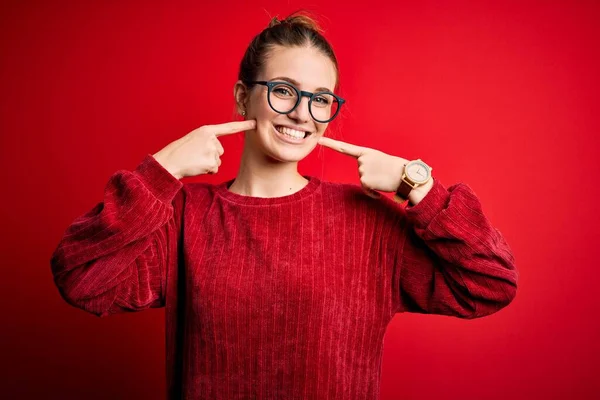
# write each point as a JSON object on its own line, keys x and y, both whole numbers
{"x": 114, "y": 258}
{"x": 452, "y": 260}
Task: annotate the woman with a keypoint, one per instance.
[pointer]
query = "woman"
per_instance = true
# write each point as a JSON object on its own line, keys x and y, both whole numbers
{"x": 278, "y": 285}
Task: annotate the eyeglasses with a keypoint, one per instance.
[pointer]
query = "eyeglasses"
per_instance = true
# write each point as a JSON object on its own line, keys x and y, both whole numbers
{"x": 284, "y": 97}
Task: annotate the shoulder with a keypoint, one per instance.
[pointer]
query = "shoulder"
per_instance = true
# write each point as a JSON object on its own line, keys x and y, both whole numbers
{"x": 200, "y": 189}
{"x": 198, "y": 196}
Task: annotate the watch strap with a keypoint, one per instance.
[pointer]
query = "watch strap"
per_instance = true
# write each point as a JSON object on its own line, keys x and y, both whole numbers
{"x": 403, "y": 190}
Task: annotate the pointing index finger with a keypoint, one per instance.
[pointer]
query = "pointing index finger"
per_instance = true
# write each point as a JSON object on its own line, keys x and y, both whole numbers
{"x": 233, "y": 127}
{"x": 342, "y": 147}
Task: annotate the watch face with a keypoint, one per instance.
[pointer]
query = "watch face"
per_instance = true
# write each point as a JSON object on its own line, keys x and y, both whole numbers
{"x": 417, "y": 171}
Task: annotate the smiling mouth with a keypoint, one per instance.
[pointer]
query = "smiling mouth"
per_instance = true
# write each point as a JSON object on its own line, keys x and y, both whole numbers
{"x": 292, "y": 133}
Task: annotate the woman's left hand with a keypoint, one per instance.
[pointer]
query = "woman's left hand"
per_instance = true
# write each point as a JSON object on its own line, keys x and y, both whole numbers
{"x": 378, "y": 170}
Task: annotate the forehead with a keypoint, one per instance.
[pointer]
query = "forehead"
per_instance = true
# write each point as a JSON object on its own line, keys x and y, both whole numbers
{"x": 307, "y": 65}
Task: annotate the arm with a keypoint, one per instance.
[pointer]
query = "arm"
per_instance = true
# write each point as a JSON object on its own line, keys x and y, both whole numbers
{"x": 452, "y": 261}
{"x": 114, "y": 258}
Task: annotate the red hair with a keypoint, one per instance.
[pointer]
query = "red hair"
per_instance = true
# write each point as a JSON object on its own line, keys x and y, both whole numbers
{"x": 296, "y": 30}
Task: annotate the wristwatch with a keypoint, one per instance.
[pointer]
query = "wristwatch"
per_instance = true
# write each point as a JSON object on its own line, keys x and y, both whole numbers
{"x": 415, "y": 173}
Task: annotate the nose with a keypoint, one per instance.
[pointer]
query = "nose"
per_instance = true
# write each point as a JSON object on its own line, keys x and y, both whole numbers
{"x": 301, "y": 113}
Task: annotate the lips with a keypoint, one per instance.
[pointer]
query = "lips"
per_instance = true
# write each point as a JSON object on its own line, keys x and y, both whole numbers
{"x": 292, "y": 131}
{"x": 290, "y": 135}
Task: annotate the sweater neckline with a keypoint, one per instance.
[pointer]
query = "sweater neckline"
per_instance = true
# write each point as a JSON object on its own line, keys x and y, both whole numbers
{"x": 223, "y": 190}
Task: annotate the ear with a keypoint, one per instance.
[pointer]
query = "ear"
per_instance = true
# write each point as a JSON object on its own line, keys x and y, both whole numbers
{"x": 240, "y": 93}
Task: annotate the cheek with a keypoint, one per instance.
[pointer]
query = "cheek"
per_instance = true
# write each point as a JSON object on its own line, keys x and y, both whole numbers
{"x": 263, "y": 115}
{"x": 321, "y": 128}
{"x": 261, "y": 109}
{"x": 264, "y": 120}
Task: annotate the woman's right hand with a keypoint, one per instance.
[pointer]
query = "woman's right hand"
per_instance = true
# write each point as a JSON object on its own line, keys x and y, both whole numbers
{"x": 199, "y": 152}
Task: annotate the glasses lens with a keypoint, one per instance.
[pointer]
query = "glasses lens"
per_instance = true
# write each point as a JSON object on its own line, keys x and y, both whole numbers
{"x": 324, "y": 106}
{"x": 283, "y": 98}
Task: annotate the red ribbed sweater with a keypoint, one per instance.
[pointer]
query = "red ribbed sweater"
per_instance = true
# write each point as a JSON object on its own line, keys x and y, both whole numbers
{"x": 279, "y": 298}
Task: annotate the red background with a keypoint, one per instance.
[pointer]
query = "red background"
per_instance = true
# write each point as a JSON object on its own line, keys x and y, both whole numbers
{"x": 500, "y": 95}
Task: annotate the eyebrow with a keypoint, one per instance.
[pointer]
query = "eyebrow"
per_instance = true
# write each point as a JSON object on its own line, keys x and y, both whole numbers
{"x": 295, "y": 82}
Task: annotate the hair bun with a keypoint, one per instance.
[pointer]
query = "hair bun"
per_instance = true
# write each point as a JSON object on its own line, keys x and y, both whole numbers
{"x": 274, "y": 21}
{"x": 297, "y": 18}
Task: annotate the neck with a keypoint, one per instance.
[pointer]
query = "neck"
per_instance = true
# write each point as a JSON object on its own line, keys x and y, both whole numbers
{"x": 262, "y": 176}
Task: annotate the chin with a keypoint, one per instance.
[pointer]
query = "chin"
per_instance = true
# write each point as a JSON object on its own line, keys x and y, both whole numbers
{"x": 285, "y": 158}
{"x": 280, "y": 153}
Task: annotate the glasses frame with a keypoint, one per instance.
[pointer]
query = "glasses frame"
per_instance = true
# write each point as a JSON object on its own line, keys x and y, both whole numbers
{"x": 301, "y": 93}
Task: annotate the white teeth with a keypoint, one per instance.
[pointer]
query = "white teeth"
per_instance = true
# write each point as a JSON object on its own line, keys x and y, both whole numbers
{"x": 291, "y": 132}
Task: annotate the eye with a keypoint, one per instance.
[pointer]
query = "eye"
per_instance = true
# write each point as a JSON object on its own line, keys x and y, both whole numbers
{"x": 322, "y": 99}
{"x": 283, "y": 91}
